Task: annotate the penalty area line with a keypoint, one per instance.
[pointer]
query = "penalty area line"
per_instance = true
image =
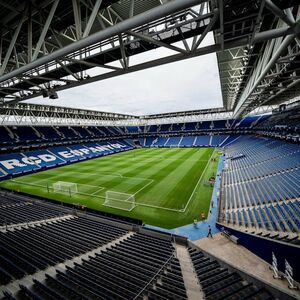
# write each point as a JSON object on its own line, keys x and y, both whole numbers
{"x": 97, "y": 191}
{"x": 158, "y": 207}
{"x": 152, "y": 180}
{"x": 198, "y": 182}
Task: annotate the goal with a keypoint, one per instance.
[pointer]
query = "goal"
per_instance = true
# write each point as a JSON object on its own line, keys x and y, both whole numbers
{"x": 119, "y": 200}
{"x": 65, "y": 187}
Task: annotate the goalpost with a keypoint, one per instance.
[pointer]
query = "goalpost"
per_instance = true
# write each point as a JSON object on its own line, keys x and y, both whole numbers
{"x": 119, "y": 200}
{"x": 65, "y": 187}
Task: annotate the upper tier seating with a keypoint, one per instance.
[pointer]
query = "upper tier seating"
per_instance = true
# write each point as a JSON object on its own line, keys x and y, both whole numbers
{"x": 29, "y": 136}
{"x": 132, "y": 129}
{"x": 48, "y": 133}
{"x": 83, "y": 132}
{"x": 96, "y": 132}
{"x": 177, "y": 127}
{"x": 247, "y": 122}
{"x": 68, "y": 133}
{"x": 222, "y": 124}
{"x": 25, "y": 133}
{"x": 289, "y": 120}
{"x": 5, "y": 137}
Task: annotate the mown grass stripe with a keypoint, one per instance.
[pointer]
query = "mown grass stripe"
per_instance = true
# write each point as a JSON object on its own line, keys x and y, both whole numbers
{"x": 174, "y": 171}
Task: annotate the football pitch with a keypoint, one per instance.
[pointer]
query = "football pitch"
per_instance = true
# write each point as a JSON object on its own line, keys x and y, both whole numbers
{"x": 169, "y": 185}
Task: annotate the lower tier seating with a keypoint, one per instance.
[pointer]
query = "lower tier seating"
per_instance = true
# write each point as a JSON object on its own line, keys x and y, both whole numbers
{"x": 218, "y": 282}
{"x": 260, "y": 188}
{"x": 87, "y": 257}
{"x": 127, "y": 270}
{"x": 27, "y": 250}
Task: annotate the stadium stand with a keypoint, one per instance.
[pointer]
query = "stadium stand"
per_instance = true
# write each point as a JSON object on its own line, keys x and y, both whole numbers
{"x": 259, "y": 195}
{"x": 236, "y": 205}
{"x": 7, "y": 200}
{"x": 22, "y": 212}
{"x": 219, "y": 283}
{"x": 26, "y": 162}
{"x": 96, "y": 258}
{"x": 68, "y": 132}
{"x": 113, "y": 275}
{"x": 260, "y": 189}
{"x": 218, "y": 140}
{"x": 41, "y": 246}
{"x": 48, "y": 133}
{"x": 187, "y": 141}
{"x": 28, "y": 137}
{"x": 173, "y": 142}
{"x": 24, "y": 133}
{"x": 202, "y": 140}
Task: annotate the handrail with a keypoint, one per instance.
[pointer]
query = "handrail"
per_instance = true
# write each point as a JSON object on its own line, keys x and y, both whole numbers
{"x": 154, "y": 276}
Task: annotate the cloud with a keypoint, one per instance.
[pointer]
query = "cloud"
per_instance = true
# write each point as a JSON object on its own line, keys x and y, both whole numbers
{"x": 186, "y": 85}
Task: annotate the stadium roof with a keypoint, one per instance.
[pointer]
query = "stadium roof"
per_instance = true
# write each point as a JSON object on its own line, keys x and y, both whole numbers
{"x": 48, "y": 46}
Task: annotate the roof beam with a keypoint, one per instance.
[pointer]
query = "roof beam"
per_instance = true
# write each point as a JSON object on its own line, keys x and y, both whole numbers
{"x": 92, "y": 18}
{"x": 45, "y": 30}
{"x": 126, "y": 25}
{"x": 156, "y": 42}
{"x": 208, "y": 28}
{"x": 279, "y": 13}
{"x": 12, "y": 44}
{"x": 77, "y": 18}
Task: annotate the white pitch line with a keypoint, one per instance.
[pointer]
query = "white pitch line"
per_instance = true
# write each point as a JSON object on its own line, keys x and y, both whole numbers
{"x": 196, "y": 186}
{"x": 100, "y": 189}
{"x": 27, "y": 183}
{"x": 43, "y": 186}
{"x": 87, "y": 184}
{"x": 141, "y": 178}
{"x": 171, "y": 159}
{"x": 101, "y": 173}
{"x": 144, "y": 186}
{"x": 128, "y": 177}
{"x": 158, "y": 207}
{"x": 180, "y": 210}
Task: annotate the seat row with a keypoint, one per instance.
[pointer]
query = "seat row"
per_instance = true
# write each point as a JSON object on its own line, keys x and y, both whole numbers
{"x": 272, "y": 166}
{"x": 25, "y": 251}
{"x": 261, "y": 188}
{"x": 264, "y": 152}
{"x": 27, "y": 212}
{"x": 219, "y": 283}
{"x": 284, "y": 217}
{"x": 274, "y": 188}
{"x": 137, "y": 266}
{"x": 8, "y": 200}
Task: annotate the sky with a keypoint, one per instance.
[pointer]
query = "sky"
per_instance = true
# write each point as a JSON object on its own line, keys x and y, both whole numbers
{"x": 185, "y": 85}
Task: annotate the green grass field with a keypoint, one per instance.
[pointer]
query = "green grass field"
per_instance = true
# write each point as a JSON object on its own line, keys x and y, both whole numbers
{"x": 170, "y": 185}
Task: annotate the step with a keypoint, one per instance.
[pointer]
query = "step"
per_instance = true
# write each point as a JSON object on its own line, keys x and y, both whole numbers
{"x": 190, "y": 279}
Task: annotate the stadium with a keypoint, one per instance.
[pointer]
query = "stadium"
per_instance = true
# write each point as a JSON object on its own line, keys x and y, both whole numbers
{"x": 154, "y": 201}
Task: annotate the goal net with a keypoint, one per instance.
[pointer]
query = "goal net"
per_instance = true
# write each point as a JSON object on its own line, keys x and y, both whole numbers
{"x": 65, "y": 187}
{"x": 119, "y": 200}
